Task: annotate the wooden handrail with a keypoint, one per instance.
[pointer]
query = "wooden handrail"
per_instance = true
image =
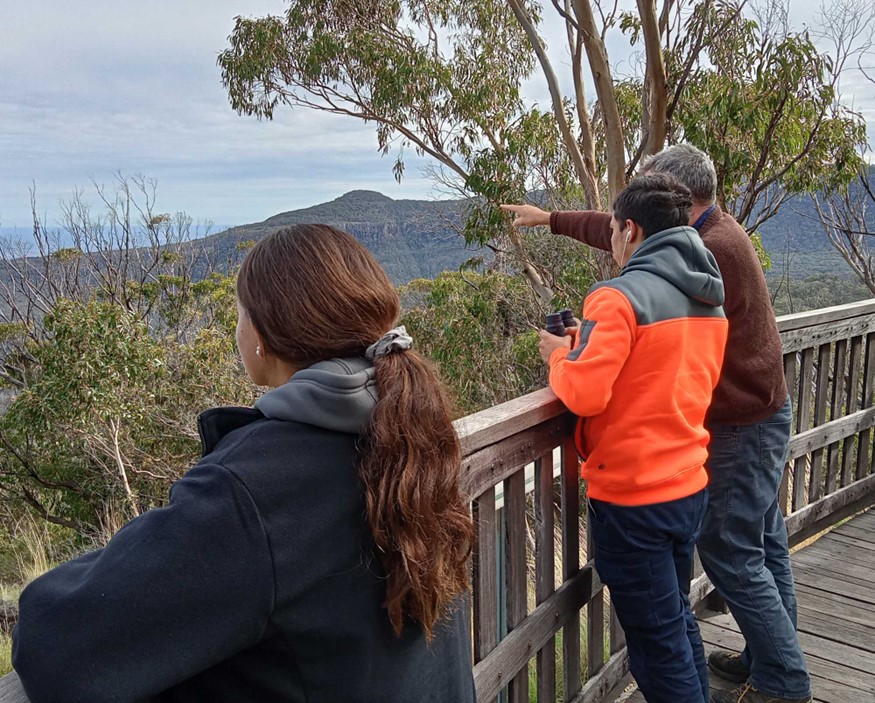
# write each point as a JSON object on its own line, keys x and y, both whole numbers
{"x": 494, "y": 424}
{"x": 813, "y": 318}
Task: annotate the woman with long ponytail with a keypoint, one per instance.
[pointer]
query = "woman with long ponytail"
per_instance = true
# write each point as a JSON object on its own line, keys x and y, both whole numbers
{"x": 421, "y": 528}
{"x": 317, "y": 553}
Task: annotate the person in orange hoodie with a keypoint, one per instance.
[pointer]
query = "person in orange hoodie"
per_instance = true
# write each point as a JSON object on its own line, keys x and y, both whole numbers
{"x": 639, "y": 372}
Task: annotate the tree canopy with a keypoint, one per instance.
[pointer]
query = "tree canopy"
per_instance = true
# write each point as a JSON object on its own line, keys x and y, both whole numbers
{"x": 445, "y": 78}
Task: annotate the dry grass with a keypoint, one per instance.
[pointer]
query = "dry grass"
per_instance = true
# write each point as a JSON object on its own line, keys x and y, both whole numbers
{"x": 31, "y": 549}
{"x": 10, "y": 591}
{"x": 34, "y": 545}
{"x": 5, "y": 654}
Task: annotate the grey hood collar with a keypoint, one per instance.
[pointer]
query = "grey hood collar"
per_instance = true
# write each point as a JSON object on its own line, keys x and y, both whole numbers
{"x": 337, "y": 394}
{"x": 679, "y": 256}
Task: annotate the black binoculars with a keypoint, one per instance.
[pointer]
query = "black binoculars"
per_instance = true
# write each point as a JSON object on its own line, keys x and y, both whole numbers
{"x": 558, "y": 321}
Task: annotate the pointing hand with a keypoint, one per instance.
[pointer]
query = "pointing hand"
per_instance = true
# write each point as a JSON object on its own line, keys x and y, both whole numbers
{"x": 527, "y": 215}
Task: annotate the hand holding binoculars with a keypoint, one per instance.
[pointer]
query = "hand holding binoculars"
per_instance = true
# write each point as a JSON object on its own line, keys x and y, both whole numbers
{"x": 557, "y": 322}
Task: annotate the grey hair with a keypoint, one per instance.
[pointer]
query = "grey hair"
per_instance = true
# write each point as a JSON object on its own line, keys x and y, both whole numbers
{"x": 691, "y": 166}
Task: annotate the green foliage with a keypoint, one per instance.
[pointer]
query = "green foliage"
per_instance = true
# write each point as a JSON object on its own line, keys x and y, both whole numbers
{"x": 107, "y": 420}
{"x": 12, "y": 330}
{"x": 481, "y": 329}
{"x": 67, "y": 255}
{"x": 821, "y": 290}
{"x": 570, "y": 267}
{"x": 762, "y": 254}
{"x": 109, "y": 354}
{"x": 98, "y": 362}
{"x": 28, "y": 548}
{"x": 766, "y": 111}
{"x": 531, "y": 145}
{"x": 396, "y": 71}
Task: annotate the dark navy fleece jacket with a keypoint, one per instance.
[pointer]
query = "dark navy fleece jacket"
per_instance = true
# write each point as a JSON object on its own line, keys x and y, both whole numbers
{"x": 257, "y": 582}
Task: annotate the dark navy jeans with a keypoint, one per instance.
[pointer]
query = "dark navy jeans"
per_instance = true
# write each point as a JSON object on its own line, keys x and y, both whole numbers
{"x": 644, "y": 555}
{"x": 744, "y": 551}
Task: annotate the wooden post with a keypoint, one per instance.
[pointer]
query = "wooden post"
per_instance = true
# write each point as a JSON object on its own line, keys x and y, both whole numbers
{"x": 803, "y": 422}
{"x": 790, "y": 376}
{"x": 485, "y": 580}
{"x": 545, "y": 570}
{"x": 571, "y": 563}
{"x": 838, "y": 391}
{"x": 515, "y": 570}
{"x": 815, "y": 484}
{"x": 595, "y": 619}
{"x": 864, "y": 441}
{"x": 852, "y": 404}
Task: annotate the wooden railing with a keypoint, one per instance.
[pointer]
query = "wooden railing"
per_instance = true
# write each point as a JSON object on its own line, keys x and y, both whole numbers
{"x": 542, "y": 626}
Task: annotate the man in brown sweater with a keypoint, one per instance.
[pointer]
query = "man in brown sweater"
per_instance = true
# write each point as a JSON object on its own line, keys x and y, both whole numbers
{"x": 743, "y": 545}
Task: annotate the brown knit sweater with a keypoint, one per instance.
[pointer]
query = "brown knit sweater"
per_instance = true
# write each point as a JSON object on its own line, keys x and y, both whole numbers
{"x": 751, "y": 386}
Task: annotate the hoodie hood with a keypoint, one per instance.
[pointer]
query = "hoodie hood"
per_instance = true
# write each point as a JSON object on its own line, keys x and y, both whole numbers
{"x": 337, "y": 394}
{"x": 680, "y": 257}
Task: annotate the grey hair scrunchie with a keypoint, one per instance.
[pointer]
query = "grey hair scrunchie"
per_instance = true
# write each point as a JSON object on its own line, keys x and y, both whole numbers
{"x": 394, "y": 340}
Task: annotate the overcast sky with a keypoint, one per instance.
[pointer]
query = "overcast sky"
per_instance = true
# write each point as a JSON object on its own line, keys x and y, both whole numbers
{"x": 98, "y": 86}
{"x": 93, "y": 87}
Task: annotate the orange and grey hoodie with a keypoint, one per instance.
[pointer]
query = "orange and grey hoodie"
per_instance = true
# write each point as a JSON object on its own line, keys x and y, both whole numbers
{"x": 642, "y": 369}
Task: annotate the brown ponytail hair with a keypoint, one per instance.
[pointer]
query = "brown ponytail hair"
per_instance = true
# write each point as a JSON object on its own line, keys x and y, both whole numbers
{"x": 314, "y": 292}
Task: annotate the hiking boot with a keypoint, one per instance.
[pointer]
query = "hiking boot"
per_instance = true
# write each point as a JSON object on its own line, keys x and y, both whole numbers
{"x": 748, "y": 694}
{"x": 728, "y": 666}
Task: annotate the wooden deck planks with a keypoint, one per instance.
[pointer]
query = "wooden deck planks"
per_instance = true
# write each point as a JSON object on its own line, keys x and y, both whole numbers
{"x": 842, "y": 538}
{"x": 859, "y": 533}
{"x": 835, "y": 588}
{"x": 830, "y": 681}
{"x": 832, "y": 583}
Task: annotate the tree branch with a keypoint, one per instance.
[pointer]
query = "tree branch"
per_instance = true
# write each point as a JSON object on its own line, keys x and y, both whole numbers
{"x": 32, "y": 501}
{"x": 657, "y": 93}
{"x": 586, "y": 177}
{"x": 601, "y": 72}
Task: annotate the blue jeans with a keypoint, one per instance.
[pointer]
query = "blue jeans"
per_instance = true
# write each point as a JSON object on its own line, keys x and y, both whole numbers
{"x": 644, "y": 555}
{"x": 744, "y": 550}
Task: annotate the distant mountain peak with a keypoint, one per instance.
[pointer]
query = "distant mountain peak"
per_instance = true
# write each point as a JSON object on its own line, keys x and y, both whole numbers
{"x": 371, "y": 196}
{"x": 410, "y": 238}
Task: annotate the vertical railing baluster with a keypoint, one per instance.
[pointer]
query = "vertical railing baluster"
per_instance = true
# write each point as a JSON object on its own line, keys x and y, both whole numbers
{"x": 821, "y": 393}
{"x": 833, "y": 452}
{"x": 803, "y": 422}
{"x": 595, "y": 620}
{"x": 571, "y": 563}
{"x": 864, "y": 442}
{"x": 485, "y": 579}
{"x": 515, "y": 570}
{"x": 545, "y": 570}
{"x": 852, "y": 404}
